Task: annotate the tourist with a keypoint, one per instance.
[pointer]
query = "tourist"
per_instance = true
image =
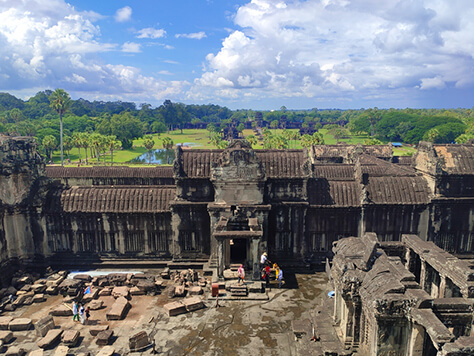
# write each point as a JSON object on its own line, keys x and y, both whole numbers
{"x": 280, "y": 277}
{"x": 264, "y": 260}
{"x": 241, "y": 274}
{"x": 267, "y": 276}
{"x": 88, "y": 313}
{"x": 277, "y": 270}
{"x": 75, "y": 312}
{"x": 82, "y": 314}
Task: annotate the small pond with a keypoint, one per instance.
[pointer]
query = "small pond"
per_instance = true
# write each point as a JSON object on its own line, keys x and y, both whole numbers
{"x": 159, "y": 156}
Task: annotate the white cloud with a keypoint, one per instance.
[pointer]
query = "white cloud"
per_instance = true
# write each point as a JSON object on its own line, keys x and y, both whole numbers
{"x": 312, "y": 48}
{"x": 151, "y": 32}
{"x": 124, "y": 14}
{"x": 131, "y": 47}
{"x": 47, "y": 44}
{"x": 193, "y": 36}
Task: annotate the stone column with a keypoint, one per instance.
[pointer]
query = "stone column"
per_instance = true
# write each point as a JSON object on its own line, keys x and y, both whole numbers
{"x": 220, "y": 258}
{"x": 255, "y": 260}
{"x": 416, "y": 340}
{"x": 442, "y": 286}
{"x": 423, "y": 275}
{"x": 408, "y": 260}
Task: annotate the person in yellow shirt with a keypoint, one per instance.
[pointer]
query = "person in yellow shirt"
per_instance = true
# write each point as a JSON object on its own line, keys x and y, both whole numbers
{"x": 277, "y": 270}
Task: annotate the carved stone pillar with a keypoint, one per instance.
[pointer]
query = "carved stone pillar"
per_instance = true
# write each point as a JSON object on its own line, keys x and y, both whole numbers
{"x": 220, "y": 258}
{"x": 442, "y": 286}
{"x": 255, "y": 260}
{"x": 423, "y": 275}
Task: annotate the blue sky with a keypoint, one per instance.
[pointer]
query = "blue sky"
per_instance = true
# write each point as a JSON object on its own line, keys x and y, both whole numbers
{"x": 256, "y": 54}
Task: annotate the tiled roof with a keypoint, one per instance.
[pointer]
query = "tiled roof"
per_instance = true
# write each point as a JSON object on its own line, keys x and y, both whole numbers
{"x": 107, "y": 172}
{"x": 282, "y": 163}
{"x": 456, "y": 159}
{"x": 334, "y": 171}
{"x": 334, "y": 193}
{"x": 398, "y": 190}
{"x": 197, "y": 163}
{"x": 107, "y": 199}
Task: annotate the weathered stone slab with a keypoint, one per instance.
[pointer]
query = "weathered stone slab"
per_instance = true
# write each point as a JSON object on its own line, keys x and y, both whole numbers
{"x": 103, "y": 338}
{"x": 70, "y": 337}
{"x": 136, "y": 291}
{"x": 106, "y": 351}
{"x": 165, "y": 274}
{"x": 52, "y": 290}
{"x": 61, "y": 310}
{"x": 196, "y": 290}
{"x": 39, "y": 298}
{"x": 105, "y": 292}
{"x": 94, "y": 294}
{"x": 15, "y": 351}
{"x": 38, "y": 288}
{"x": 83, "y": 277}
{"x": 121, "y": 291}
{"x": 96, "y": 329}
{"x": 39, "y": 352}
{"x": 138, "y": 341}
{"x": 146, "y": 285}
{"x": 117, "y": 279}
{"x": 50, "y": 339}
{"x": 70, "y": 283}
{"x": 158, "y": 284}
{"x": 61, "y": 350}
{"x": 96, "y": 304}
{"x": 20, "y": 324}
{"x": 6, "y": 336}
{"x": 175, "y": 308}
{"x": 118, "y": 309}
{"x": 179, "y": 291}
{"x": 193, "y": 303}
{"x": 5, "y": 322}
{"x": 43, "y": 325}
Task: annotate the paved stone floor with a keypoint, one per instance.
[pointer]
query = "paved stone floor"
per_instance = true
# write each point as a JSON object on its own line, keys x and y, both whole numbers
{"x": 237, "y": 327}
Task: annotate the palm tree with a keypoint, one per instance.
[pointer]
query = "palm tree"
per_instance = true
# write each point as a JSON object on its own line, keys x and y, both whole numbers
{"x": 60, "y": 102}
{"x": 96, "y": 140}
{"x": 49, "y": 144}
{"x": 112, "y": 144}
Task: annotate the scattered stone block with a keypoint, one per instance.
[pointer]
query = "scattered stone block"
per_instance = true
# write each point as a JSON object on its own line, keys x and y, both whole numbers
{"x": 193, "y": 303}
{"x": 39, "y": 298}
{"x": 104, "y": 337}
{"x": 4, "y": 322}
{"x": 15, "y": 351}
{"x": 70, "y": 283}
{"x": 158, "y": 284}
{"x": 106, "y": 351}
{"x": 6, "y": 336}
{"x": 118, "y": 309}
{"x": 96, "y": 304}
{"x": 179, "y": 291}
{"x": 94, "y": 294}
{"x": 121, "y": 291}
{"x": 165, "y": 274}
{"x": 175, "y": 308}
{"x": 61, "y": 310}
{"x": 83, "y": 277}
{"x": 52, "y": 290}
{"x": 70, "y": 337}
{"x": 43, "y": 325}
{"x": 61, "y": 350}
{"x": 117, "y": 279}
{"x": 138, "y": 341}
{"x": 105, "y": 292}
{"x": 20, "y": 324}
{"x": 22, "y": 299}
{"x": 9, "y": 307}
{"x": 136, "y": 291}
{"x": 38, "y": 288}
{"x": 51, "y": 338}
{"x": 195, "y": 290}
{"x": 38, "y": 352}
{"x": 26, "y": 288}
{"x": 96, "y": 329}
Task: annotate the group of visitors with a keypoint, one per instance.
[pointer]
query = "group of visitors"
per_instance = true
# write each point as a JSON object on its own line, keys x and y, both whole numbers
{"x": 265, "y": 264}
{"x": 80, "y": 313}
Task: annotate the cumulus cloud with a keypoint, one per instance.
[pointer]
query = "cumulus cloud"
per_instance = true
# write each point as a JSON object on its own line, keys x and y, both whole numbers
{"x": 131, "y": 47}
{"x": 151, "y": 32}
{"x": 317, "y": 48}
{"x": 48, "y": 44}
{"x": 193, "y": 36}
{"x": 124, "y": 14}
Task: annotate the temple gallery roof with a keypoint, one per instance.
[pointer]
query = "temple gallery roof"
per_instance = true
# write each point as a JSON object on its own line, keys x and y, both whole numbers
{"x": 113, "y": 199}
{"x": 105, "y": 172}
{"x": 456, "y": 159}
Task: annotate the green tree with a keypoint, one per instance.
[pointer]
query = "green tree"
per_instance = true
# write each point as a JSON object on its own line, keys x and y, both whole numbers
{"x": 252, "y": 140}
{"x": 126, "y": 128}
{"x": 168, "y": 143}
{"x": 274, "y": 124}
{"x": 338, "y": 132}
{"x": 97, "y": 141}
{"x": 112, "y": 144}
{"x": 49, "y": 144}
{"x": 60, "y": 101}
{"x": 148, "y": 142}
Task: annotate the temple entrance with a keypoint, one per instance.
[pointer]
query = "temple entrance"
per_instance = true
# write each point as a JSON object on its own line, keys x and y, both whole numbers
{"x": 238, "y": 250}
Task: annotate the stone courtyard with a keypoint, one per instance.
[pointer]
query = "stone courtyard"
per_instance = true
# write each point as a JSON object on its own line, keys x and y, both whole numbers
{"x": 260, "y": 324}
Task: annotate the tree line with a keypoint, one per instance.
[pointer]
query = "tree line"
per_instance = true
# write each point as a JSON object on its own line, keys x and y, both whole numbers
{"x": 119, "y": 123}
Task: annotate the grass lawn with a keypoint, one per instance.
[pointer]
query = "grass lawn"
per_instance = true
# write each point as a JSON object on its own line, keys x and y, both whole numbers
{"x": 196, "y": 139}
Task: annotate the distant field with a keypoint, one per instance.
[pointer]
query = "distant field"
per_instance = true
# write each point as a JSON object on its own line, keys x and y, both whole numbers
{"x": 198, "y": 139}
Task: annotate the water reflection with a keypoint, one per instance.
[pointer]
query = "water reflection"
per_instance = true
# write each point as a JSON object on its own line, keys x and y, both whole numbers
{"x": 159, "y": 156}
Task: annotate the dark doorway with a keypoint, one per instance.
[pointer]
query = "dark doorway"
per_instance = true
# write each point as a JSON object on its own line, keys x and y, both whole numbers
{"x": 238, "y": 250}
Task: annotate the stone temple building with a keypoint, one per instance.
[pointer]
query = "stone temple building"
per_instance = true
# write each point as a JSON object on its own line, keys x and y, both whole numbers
{"x": 219, "y": 207}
